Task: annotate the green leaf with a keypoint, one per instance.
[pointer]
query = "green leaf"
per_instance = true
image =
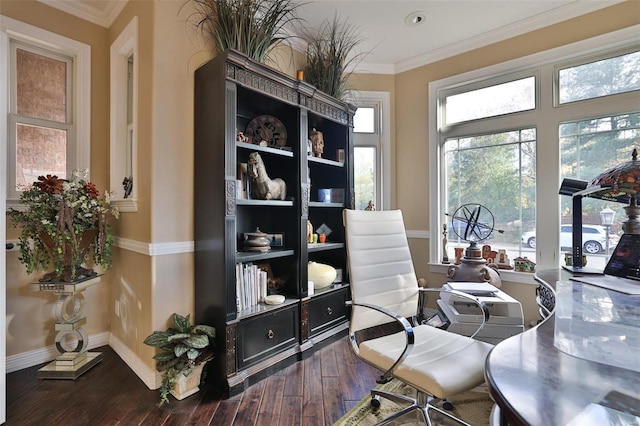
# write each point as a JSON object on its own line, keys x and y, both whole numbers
{"x": 197, "y": 341}
{"x": 205, "y": 329}
{"x": 179, "y": 350}
{"x": 157, "y": 339}
{"x": 183, "y": 323}
{"x": 193, "y": 354}
{"x": 177, "y": 336}
{"x": 164, "y": 356}
{"x": 165, "y": 365}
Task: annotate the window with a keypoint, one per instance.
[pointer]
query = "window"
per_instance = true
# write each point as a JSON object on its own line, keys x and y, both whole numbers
{"x": 512, "y": 96}
{"x": 40, "y": 117}
{"x": 48, "y": 116}
{"x": 371, "y": 151}
{"x": 498, "y": 172}
{"x": 587, "y": 148}
{"x": 124, "y": 118}
{"x": 365, "y": 181}
{"x": 604, "y": 77}
{"x": 364, "y": 120}
{"x": 501, "y": 140}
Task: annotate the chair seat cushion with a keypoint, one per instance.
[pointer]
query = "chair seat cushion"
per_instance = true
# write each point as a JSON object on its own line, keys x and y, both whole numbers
{"x": 441, "y": 363}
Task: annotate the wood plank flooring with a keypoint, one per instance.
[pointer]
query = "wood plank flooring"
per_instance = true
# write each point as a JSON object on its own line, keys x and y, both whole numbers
{"x": 315, "y": 391}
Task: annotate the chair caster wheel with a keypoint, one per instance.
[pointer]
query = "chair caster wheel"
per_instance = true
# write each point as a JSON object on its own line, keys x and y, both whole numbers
{"x": 375, "y": 403}
{"x": 447, "y": 405}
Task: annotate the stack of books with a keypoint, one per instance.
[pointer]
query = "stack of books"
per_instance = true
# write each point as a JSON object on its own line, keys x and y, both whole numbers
{"x": 251, "y": 285}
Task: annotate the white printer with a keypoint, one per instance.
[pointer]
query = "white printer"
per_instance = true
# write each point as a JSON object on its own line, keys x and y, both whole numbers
{"x": 464, "y": 317}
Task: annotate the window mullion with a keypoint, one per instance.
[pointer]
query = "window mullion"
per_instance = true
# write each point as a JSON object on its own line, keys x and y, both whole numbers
{"x": 41, "y": 122}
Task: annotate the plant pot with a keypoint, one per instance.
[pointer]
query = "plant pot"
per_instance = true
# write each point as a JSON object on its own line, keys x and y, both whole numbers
{"x": 70, "y": 252}
{"x": 187, "y": 386}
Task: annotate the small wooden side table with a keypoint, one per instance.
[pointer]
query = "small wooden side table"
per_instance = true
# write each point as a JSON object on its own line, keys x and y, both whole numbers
{"x": 72, "y": 362}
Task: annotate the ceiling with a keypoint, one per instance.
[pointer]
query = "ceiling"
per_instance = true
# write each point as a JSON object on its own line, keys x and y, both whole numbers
{"x": 390, "y": 45}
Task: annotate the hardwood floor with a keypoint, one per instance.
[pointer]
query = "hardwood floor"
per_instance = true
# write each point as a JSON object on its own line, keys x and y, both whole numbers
{"x": 315, "y": 391}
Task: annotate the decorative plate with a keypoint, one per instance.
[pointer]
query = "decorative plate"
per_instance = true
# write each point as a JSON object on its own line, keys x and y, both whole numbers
{"x": 269, "y": 129}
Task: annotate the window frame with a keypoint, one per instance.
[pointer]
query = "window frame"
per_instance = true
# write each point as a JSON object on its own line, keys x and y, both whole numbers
{"x": 375, "y": 106}
{"x": 380, "y": 140}
{"x": 79, "y": 137}
{"x": 548, "y": 179}
{"x": 16, "y": 119}
{"x": 125, "y": 46}
{"x": 584, "y": 60}
{"x": 481, "y": 84}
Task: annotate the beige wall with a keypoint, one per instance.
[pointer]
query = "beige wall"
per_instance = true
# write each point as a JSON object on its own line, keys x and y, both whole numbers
{"x": 149, "y": 288}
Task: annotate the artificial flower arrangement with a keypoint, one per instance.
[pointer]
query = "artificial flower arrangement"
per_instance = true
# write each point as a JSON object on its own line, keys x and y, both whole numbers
{"x": 64, "y": 221}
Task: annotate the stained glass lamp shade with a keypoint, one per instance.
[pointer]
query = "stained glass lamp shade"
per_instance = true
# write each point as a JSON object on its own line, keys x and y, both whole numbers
{"x": 621, "y": 184}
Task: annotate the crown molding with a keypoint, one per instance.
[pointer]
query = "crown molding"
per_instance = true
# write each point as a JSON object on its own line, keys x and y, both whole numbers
{"x": 103, "y": 16}
{"x": 555, "y": 16}
{"x": 374, "y": 68}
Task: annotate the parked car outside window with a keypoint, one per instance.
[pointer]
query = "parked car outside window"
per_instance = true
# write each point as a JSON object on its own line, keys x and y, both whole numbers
{"x": 594, "y": 238}
{"x": 457, "y": 228}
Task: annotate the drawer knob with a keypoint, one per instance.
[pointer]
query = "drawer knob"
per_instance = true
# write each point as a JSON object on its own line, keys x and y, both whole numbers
{"x": 270, "y": 334}
{"x": 329, "y": 311}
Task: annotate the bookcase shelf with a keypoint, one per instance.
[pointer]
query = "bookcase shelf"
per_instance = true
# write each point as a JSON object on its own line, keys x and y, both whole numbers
{"x": 231, "y": 91}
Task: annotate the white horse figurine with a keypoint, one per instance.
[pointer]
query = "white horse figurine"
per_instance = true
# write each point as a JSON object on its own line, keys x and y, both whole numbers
{"x": 262, "y": 187}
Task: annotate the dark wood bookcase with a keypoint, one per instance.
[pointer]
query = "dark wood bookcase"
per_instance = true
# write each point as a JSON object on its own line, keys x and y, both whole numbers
{"x": 231, "y": 91}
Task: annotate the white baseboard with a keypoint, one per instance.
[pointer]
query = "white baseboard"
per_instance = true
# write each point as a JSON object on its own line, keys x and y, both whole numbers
{"x": 150, "y": 377}
{"x": 40, "y": 356}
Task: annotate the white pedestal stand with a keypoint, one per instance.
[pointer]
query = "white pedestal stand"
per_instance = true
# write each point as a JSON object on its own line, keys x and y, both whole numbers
{"x": 72, "y": 362}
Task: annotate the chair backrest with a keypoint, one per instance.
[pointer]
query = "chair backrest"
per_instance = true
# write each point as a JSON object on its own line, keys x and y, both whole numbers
{"x": 380, "y": 266}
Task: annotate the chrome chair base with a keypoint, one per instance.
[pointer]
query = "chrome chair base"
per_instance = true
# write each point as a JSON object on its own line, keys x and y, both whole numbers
{"x": 423, "y": 403}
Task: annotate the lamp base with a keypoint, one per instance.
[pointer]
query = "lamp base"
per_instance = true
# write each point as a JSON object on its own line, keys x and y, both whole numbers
{"x": 583, "y": 270}
{"x": 632, "y": 224}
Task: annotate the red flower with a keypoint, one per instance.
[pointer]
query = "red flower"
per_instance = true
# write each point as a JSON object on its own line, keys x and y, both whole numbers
{"x": 50, "y": 184}
{"x": 91, "y": 190}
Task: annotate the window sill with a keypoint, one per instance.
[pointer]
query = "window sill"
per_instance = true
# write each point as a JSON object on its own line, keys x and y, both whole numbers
{"x": 505, "y": 274}
{"x": 128, "y": 205}
{"x": 15, "y": 204}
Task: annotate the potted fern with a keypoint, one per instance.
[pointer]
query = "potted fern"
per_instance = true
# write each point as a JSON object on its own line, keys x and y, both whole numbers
{"x": 184, "y": 350}
{"x": 252, "y": 27}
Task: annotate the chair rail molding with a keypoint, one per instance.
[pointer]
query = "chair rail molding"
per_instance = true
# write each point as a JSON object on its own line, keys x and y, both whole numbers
{"x": 153, "y": 249}
{"x": 412, "y": 233}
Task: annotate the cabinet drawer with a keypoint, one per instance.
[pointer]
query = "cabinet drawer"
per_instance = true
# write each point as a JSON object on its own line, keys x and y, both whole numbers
{"x": 265, "y": 335}
{"x": 328, "y": 310}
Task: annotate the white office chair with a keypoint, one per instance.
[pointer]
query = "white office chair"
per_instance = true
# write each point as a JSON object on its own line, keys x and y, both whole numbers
{"x": 384, "y": 290}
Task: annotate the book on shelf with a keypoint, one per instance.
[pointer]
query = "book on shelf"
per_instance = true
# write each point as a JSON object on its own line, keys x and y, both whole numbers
{"x": 251, "y": 285}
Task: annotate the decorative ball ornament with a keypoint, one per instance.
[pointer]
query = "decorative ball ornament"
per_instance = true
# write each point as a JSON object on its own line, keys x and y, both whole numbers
{"x": 473, "y": 222}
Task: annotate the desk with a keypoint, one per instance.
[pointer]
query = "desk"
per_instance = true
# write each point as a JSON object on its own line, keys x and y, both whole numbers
{"x": 535, "y": 383}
